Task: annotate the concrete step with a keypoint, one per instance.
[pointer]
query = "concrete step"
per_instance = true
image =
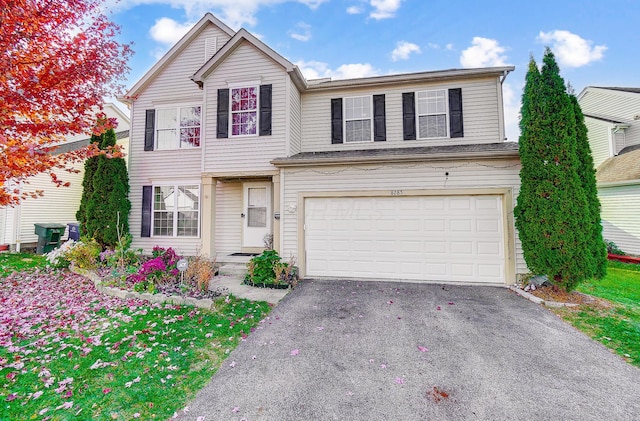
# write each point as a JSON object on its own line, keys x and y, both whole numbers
{"x": 233, "y": 268}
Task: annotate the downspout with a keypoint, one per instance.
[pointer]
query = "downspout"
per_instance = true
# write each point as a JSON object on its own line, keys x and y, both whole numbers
{"x": 503, "y": 134}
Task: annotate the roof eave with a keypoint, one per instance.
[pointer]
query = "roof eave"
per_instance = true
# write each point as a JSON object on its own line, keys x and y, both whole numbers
{"x": 417, "y": 157}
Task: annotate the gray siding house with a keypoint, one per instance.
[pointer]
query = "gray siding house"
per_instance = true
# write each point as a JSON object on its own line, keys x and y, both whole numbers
{"x": 403, "y": 176}
{"x": 612, "y": 116}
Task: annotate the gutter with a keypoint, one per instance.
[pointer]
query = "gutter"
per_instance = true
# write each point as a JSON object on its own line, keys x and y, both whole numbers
{"x": 623, "y": 183}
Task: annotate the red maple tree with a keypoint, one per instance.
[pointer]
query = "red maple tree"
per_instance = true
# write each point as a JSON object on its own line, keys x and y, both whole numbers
{"x": 59, "y": 59}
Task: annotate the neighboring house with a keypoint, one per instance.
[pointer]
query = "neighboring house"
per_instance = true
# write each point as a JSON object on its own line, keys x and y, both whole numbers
{"x": 59, "y": 204}
{"x": 612, "y": 116}
{"x": 398, "y": 177}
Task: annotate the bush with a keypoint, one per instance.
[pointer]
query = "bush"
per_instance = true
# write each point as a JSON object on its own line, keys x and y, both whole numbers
{"x": 269, "y": 269}
{"x": 199, "y": 272}
{"x": 85, "y": 253}
{"x": 161, "y": 268}
{"x": 58, "y": 257}
{"x": 613, "y": 248}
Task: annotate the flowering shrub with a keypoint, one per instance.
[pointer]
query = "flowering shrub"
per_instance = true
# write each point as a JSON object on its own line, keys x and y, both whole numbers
{"x": 161, "y": 268}
{"x": 58, "y": 257}
{"x": 85, "y": 253}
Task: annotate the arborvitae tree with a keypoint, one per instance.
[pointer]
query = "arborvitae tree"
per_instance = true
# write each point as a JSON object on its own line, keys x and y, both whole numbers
{"x": 587, "y": 174}
{"x": 90, "y": 167}
{"x": 552, "y": 213}
{"x": 108, "y": 207}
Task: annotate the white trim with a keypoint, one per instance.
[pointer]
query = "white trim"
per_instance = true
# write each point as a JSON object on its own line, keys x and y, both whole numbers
{"x": 446, "y": 114}
{"x": 176, "y": 185}
{"x": 176, "y": 107}
{"x": 344, "y": 118}
{"x": 244, "y": 84}
{"x": 231, "y": 112}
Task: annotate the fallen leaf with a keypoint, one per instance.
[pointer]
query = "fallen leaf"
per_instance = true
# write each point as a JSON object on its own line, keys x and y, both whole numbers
{"x": 295, "y": 352}
{"x": 422, "y": 349}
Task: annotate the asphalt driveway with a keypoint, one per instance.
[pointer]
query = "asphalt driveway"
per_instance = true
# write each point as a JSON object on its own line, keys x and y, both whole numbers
{"x": 344, "y": 350}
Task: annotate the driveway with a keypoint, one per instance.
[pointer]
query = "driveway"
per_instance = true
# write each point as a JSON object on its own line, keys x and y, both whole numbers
{"x": 346, "y": 350}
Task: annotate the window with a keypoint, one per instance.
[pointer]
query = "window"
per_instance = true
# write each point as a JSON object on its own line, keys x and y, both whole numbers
{"x": 244, "y": 111}
{"x": 178, "y": 127}
{"x": 358, "y": 119}
{"x": 432, "y": 114}
{"x": 176, "y": 210}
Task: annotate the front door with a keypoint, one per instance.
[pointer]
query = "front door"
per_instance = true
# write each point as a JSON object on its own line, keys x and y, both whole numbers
{"x": 256, "y": 214}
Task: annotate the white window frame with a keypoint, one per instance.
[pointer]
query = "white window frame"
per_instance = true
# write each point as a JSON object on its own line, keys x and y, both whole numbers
{"x": 446, "y": 113}
{"x": 177, "y": 144}
{"x": 175, "y": 210}
{"x": 360, "y": 118}
{"x": 247, "y": 85}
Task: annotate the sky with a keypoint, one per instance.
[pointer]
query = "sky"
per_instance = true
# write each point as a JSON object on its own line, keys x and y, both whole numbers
{"x": 596, "y": 42}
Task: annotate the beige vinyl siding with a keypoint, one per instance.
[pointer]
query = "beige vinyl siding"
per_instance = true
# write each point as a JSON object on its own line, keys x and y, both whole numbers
{"x": 598, "y": 132}
{"x": 617, "y": 106}
{"x": 171, "y": 86}
{"x": 228, "y": 229}
{"x": 620, "y": 217}
{"x": 401, "y": 176}
{"x": 247, "y": 153}
{"x": 58, "y": 205}
{"x": 480, "y": 116}
{"x": 295, "y": 120}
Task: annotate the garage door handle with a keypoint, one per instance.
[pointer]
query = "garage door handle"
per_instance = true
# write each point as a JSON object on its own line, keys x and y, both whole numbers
{"x": 242, "y": 215}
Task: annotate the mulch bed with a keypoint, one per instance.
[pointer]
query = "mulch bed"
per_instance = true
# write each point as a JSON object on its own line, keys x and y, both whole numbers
{"x": 552, "y": 293}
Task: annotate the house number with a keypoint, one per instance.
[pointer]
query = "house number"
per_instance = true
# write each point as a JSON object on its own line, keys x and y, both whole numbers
{"x": 396, "y": 192}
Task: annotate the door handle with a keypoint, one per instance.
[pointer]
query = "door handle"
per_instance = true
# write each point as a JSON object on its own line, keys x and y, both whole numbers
{"x": 242, "y": 215}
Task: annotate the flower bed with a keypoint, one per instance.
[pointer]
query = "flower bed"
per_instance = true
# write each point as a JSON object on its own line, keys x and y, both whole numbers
{"x": 624, "y": 259}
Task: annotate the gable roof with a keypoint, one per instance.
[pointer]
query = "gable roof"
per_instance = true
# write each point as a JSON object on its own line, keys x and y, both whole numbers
{"x": 173, "y": 52}
{"x": 615, "y": 88}
{"x": 241, "y": 36}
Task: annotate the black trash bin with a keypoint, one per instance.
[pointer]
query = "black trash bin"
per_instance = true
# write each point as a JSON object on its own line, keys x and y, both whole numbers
{"x": 74, "y": 231}
{"x": 49, "y": 236}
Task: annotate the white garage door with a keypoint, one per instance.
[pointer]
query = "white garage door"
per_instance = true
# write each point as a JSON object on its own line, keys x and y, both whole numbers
{"x": 434, "y": 238}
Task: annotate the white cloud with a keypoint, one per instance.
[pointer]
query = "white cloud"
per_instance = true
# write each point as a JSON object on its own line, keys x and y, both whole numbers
{"x": 572, "y": 50}
{"x": 235, "y": 13}
{"x": 318, "y": 70}
{"x": 449, "y": 47}
{"x": 403, "y": 50}
{"x": 354, "y": 10}
{"x": 383, "y": 9}
{"x": 168, "y": 31}
{"x": 433, "y": 45}
{"x": 303, "y": 32}
{"x": 484, "y": 52}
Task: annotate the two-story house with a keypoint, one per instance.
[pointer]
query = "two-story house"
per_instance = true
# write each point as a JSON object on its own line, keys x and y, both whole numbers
{"x": 612, "y": 116}
{"x": 393, "y": 177}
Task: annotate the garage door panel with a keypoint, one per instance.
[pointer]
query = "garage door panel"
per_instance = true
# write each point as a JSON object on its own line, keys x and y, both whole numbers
{"x": 438, "y": 238}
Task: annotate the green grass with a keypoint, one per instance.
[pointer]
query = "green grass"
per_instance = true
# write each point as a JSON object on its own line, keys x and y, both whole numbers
{"x": 69, "y": 352}
{"x": 10, "y": 262}
{"x": 616, "y": 326}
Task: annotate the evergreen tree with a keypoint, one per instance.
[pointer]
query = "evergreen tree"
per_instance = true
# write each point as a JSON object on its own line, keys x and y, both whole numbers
{"x": 90, "y": 167}
{"x": 587, "y": 174}
{"x": 552, "y": 213}
{"x": 108, "y": 206}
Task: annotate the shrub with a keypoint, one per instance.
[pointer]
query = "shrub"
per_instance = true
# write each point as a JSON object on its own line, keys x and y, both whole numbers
{"x": 85, "y": 253}
{"x": 199, "y": 272}
{"x": 160, "y": 268}
{"x": 268, "y": 268}
{"x": 613, "y": 248}
{"x": 58, "y": 257}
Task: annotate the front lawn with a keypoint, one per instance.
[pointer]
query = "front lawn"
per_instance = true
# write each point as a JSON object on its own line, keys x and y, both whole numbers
{"x": 617, "y": 326}
{"x": 69, "y": 352}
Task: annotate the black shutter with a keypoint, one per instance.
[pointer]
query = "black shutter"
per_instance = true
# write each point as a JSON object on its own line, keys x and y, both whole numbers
{"x": 409, "y": 116}
{"x": 336, "y": 120}
{"x": 455, "y": 113}
{"x": 265, "y": 110}
{"x": 222, "y": 129}
{"x": 149, "y": 129}
{"x": 147, "y": 197}
{"x": 379, "y": 119}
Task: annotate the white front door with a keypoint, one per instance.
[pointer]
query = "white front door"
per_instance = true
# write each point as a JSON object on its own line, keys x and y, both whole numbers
{"x": 256, "y": 214}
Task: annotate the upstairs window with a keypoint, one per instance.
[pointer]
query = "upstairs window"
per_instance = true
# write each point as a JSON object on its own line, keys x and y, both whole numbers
{"x": 173, "y": 128}
{"x": 432, "y": 114}
{"x": 244, "y": 111}
{"x": 357, "y": 119}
